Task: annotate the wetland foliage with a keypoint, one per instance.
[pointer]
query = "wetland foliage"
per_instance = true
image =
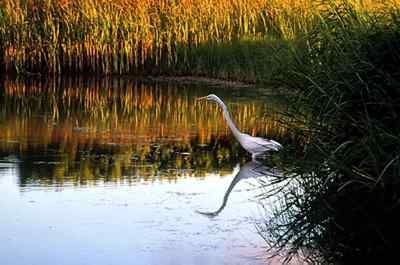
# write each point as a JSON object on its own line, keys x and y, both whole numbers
{"x": 344, "y": 208}
{"x": 245, "y": 40}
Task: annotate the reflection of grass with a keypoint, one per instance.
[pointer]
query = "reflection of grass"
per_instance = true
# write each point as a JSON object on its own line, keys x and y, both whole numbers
{"x": 126, "y": 164}
{"x": 127, "y": 112}
{"x": 125, "y": 121}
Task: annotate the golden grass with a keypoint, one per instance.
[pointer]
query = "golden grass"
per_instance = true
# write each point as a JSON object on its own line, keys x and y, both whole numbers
{"x": 128, "y": 36}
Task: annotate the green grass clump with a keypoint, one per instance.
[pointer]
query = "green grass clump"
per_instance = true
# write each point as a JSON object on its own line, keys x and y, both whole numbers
{"x": 345, "y": 207}
{"x": 350, "y": 79}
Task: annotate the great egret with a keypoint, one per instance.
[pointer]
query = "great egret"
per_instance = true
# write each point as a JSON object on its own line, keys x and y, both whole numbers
{"x": 256, "y": 146}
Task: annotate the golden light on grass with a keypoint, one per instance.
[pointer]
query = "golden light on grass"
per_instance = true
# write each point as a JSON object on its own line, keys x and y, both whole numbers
{"x": 127, "y": 36}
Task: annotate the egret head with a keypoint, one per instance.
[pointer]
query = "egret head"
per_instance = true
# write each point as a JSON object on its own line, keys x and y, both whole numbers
{"x": 214, "y": 98}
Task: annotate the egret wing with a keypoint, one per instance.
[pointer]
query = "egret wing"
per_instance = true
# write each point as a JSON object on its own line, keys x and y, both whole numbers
{"x": 266, "y": 144}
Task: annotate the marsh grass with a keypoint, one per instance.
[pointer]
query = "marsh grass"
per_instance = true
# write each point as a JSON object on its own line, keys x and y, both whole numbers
{"x": 344, "y": 208}
{"x": 118, "y": 36}
{"x": 154, "y": 37}
{"x": 351, "y": 82}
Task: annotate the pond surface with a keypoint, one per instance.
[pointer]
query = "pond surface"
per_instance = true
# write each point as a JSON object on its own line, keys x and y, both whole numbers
{"x": 113, "y": 171}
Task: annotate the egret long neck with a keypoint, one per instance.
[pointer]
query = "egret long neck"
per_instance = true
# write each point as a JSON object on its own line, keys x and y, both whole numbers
{"x": 231, "y": 124}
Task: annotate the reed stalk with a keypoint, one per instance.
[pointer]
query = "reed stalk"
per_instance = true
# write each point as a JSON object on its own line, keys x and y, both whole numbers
{"x": 146, "y": 36}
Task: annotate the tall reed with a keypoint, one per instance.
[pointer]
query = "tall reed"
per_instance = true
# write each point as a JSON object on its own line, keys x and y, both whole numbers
{"x": 344, "y": 208}
{"x": 116, "y": 36}
{"x": 140, "y": 36}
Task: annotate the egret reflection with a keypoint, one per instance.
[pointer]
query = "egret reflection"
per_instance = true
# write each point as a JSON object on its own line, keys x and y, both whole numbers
{"x": 253, "y": 169}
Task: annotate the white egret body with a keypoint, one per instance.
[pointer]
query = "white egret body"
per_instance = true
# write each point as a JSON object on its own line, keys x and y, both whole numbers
{"x": 256, "y": 146}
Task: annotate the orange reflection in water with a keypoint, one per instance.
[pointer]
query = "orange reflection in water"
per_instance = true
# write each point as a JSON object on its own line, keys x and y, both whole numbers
{"x": 123, "y": 127}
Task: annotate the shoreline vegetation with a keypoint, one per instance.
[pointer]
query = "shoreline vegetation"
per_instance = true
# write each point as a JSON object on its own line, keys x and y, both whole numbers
{"x": 341, "y": 58}
{"x": 247, "y": 41}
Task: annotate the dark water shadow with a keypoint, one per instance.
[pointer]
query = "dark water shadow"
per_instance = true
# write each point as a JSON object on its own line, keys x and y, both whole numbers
{"x": 317, "y": 217}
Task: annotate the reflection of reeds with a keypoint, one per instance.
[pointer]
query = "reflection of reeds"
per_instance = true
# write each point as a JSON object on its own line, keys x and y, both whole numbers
{"x": 124, "y": 112}
{"x": 121, "y": 36}
{"x": 126, "y": 119}
{"x": 127, "y": 164}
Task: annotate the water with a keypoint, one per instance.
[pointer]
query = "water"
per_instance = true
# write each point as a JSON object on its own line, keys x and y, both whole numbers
{"x": 99, "y": 171}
